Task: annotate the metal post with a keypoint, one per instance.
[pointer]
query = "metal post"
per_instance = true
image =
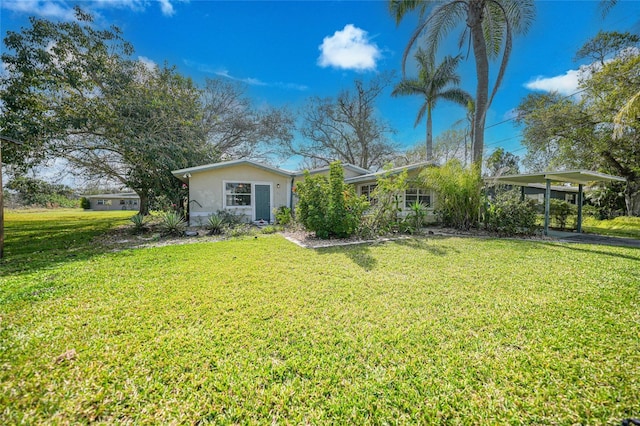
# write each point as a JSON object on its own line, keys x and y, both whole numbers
{"x": 547, "y": 206}
{"x": 580, "y": 208}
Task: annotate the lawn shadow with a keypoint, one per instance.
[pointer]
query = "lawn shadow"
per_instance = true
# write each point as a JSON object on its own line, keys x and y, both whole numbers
{"x": 425, "y": 244}
{"x": 581, "y": 248}
{"x": 359, "y": 254}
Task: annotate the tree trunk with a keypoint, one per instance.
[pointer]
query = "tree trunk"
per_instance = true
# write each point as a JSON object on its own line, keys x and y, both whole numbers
{"x": 632, "y": 197}
{"x": 144, "y": 203}
{"x": 429, "y": 135}
{"x": 474, "y": 21}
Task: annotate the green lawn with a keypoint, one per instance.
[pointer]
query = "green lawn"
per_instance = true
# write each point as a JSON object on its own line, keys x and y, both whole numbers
{"x": 258, "y": 331}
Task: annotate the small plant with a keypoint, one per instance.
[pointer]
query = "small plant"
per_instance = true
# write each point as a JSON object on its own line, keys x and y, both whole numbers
{"x": 271, "y": 229}
{"x": 139, "y": 222}
{"x": 172, "y": 223}
{"x": 241, "y": 230}
{"x": 215, "y": 224}
{"x": 416, "y": 217}
{"x": 561, "y": 210}
{"x": 229, "y": 218}
{"x": 283, "y": 215}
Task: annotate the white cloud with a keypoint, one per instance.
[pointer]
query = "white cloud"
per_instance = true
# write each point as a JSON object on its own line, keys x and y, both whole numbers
{"x": 60, "y": 9}
{"x": 349, "y": 49}
{"x": 148, "y": 63}
{"x": 565, "y": 84}
{"x": 43, "y": 8}
{"x": 167, "y": 8}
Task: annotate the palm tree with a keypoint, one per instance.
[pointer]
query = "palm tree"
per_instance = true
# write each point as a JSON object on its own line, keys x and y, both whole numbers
{"x": 489, "y": 26}
{"x": 433, "y": 83}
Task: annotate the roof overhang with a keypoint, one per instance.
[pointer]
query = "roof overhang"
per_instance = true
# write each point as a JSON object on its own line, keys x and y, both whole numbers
{"x": 185, "y": 174}
{"x": 396, "y": 170}
{"x": 581, "y": 177}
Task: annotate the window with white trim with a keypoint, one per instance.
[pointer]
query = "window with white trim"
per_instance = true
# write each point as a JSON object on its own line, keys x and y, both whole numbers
{"x": 413, "y": 195}
{"x": 367, "y": 190}
{"x": 238, "y": 194}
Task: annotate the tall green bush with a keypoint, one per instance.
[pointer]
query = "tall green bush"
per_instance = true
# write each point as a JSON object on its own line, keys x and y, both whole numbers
{"x": 561, "y": 210}
{"x": 383, "y": 214}
{"x": 508, "y": 215}
{"x": 459, "y": 192}
{"x": 329, "y": 207}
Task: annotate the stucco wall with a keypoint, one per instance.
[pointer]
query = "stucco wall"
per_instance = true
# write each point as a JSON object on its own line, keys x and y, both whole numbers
{"x": 207, "y": 196}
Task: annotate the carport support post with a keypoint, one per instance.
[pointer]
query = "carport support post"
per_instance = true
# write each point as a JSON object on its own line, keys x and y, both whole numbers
{"x": 547, "y": 206}
{"x": 580, "y": 208}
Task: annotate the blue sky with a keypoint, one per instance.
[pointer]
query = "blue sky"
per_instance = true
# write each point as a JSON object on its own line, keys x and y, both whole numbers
{"x": 287, "y": 51}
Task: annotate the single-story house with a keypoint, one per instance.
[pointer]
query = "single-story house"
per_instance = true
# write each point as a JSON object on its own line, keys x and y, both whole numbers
{"x": 118, "y": 201}
{"x": 254, "y": 190}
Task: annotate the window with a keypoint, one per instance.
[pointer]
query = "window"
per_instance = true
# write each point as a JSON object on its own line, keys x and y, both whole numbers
{"x": 122, "y": 202}
{"x": 103, "y": 202}
{"x": 413, "y": 195}
{"x": 100, "y": 202}
{"x": 238, "y": 194}
{"x": 366, "y": 190}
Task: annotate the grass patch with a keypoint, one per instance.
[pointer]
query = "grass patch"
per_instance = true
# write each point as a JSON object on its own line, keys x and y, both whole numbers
{"x": 622, "y": 226}
{"x": 258, "y": 330}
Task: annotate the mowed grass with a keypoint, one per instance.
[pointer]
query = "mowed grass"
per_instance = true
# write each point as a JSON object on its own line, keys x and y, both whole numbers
{"x": 259, "y": 330}
{"x": 622, "y": 226}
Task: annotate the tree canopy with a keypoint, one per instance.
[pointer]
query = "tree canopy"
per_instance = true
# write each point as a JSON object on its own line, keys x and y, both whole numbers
{"x": 346, "y": 128}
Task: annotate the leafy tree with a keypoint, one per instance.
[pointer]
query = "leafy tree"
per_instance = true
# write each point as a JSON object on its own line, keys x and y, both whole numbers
{"x": 346, "y": 128}
{"x": 561, "y": 132}
{"x": 489, "y": 26}
{"x": 606, "y": 44}
{"x": 73, "y": 92}
{"x": 459, "y": 193}
{"x": 36, "y": 192}
{"x": 433, "y": 83}
{"x": 501, "y": 162}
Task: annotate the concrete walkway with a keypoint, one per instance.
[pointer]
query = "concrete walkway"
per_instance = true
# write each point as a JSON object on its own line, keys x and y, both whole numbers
{"x": 572, "y": 237}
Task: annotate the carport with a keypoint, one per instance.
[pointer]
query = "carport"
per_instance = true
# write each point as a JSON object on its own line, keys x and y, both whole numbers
{"x": 580, "y": 177}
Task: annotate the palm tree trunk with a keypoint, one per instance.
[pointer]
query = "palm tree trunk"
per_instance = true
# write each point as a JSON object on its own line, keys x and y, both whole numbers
{"x": 474, "y": 22}
{"x": 429, "y": 135}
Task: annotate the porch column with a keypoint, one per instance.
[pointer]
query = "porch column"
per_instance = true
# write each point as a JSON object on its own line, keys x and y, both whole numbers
{"x": 547, "y": 206}
{"x": 580, "y": 208}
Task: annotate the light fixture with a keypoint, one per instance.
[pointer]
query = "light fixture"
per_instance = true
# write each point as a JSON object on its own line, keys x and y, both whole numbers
{"x": 278, "y": 186}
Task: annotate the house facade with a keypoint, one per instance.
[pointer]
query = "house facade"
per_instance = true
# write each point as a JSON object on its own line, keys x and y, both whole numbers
{"x": 254, "y": 190}
{"x": 118, "y": 201}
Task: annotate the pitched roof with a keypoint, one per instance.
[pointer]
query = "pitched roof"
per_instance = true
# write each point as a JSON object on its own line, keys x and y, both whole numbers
{"x": 395, "y": 170}
{"x": 182, "y": 174}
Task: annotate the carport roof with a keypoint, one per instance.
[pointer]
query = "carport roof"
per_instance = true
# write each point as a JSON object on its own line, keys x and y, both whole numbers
{"x": 572, "y": 176}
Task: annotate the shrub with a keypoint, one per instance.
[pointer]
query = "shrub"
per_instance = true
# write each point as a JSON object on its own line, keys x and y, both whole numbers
{"x": 329, "y": 207}
{"x": 215, "y": 224}
{"x": 382, "y": 217}
{"x": 459, "y": 193}
{"x": 561, "y": 210}
{"x": 283, "y": 215}
{"x": 172, "y": 223}
{"x": 229, "y": 218}
{"x": 138, "y": 221}
{"x": 507, "y": 215}
{"x": 416, "y": 218}
{"x": 85, "y": 203}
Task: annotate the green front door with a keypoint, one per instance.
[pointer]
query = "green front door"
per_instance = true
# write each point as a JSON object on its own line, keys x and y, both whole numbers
{"x": 263, "y": 202}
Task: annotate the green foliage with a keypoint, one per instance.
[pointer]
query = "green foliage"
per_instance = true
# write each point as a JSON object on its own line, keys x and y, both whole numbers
{"x": 85, "y": 203}
{"x": 621, "y": 226}
{"x": 459, "y": 193}
{"x": 38, "y": 193}
{"x": 560, "y": 211}
{"x": 608, "y": 200}
{"x": 416, "y": 218}
{"x": 215, "y": 224}
{"x": 382, "y": 216}
{"x": 441, "y": 330}
{"x": 139, "y": 222}
{"x": 329, "y": 207}
{"x": 172, "y": 223}
{"x": 508, "y": 215}
{"x": 501, "y": 162}
{"x": 283, "y": 215}
{"x": 230, "y": 219}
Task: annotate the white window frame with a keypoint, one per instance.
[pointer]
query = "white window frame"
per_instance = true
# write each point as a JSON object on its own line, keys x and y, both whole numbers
{"x": 420, "y": 192}
{"x": 370, "y": 188}
{"x": 251, "y": 194}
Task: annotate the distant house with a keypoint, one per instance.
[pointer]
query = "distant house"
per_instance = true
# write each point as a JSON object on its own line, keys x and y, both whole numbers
{"x": 119, "y": 201}
{"x": 253, "y": 190}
